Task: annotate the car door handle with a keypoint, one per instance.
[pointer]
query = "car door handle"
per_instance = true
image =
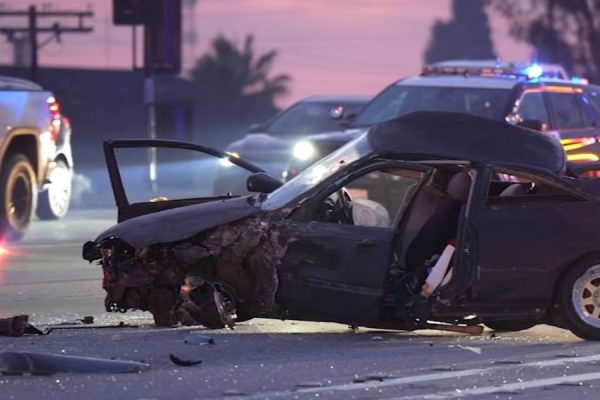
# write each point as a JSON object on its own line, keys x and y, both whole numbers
{"x": 367, "y": 243}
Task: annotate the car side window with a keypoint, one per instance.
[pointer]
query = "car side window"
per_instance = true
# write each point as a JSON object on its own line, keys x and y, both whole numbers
{"x": 533, "y": 107}
{"x": 376, "y": 198}
{"x": 568, "y": 110}
{"x": 510, "y": 189}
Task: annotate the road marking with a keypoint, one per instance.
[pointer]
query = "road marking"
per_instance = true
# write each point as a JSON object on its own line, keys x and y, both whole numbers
{"x": 507, "y": 387}
{"x": 428, "y": 377}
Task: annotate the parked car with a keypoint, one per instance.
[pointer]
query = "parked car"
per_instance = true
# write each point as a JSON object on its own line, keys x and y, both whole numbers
{"x": 269, "y": 145}
{"x": 35, "y": 157}
{"x": 535, "y": 96}
{"x": 526, "y": 249}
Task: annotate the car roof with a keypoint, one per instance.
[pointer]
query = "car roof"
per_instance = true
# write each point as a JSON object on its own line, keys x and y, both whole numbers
{"x": 337, "y": 99}
{"x": 457, "y": 136}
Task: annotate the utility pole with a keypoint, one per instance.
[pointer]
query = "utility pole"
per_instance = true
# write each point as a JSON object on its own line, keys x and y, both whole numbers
{"x": 32, "y": 28}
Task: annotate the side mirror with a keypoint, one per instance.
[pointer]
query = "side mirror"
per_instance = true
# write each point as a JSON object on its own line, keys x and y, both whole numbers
{"x": 534, "y": 124}
{"x": 256, "y": 128}
{"x": 262, "y": 182}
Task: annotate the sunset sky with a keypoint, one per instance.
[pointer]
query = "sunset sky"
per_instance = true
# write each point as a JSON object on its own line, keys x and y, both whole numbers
{"x": 328, "y": 46}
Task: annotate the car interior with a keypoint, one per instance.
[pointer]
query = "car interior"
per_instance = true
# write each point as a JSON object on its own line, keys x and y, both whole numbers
{"x": 509, "y": 189}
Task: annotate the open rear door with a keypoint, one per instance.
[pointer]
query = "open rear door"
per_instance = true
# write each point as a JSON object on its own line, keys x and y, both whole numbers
{"x": 149, "y": 175}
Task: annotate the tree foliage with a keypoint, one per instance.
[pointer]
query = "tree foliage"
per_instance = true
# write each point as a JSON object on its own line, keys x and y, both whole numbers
{"x": 566, "y": 32}
{"x": 465, "y": 36}
{"x": 235, "y": 86}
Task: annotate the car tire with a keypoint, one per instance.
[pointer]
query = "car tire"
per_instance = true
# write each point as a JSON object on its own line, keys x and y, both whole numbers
{"x": 53, "y": 203}
{"x": 18, "y": 197}
{"x": 579, "y": 298}
{"x": 509, "y": 326}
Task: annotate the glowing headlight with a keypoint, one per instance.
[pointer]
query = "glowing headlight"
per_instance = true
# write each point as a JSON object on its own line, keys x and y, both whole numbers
{"x": 303, "y": 151}
{"x": 225, "y": 161}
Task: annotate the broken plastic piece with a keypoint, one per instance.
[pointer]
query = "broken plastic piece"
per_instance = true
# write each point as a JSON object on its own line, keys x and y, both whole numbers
{"x": 183, "y": 363}
{"x": 13, "y": 326}
{"x": 12, "y": 362}
{"x": 196, "y": 338}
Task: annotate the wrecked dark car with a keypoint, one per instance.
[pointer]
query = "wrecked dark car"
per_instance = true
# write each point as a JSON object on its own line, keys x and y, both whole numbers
{"x": 432, "y": 220}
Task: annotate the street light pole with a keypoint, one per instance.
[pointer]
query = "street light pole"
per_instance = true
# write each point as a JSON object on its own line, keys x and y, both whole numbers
{"x": 33, "y": 68}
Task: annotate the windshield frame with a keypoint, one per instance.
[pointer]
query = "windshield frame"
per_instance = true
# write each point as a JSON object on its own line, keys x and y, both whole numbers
{"x": 327, "y": 169}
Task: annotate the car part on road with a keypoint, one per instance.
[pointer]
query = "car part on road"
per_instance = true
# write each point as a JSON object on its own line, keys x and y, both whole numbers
{"x": 46, "y": 363}
{"x": 13, "y": 326}
{"x": 183, "y": 363}
{"x": 18, "y": 197}
{"x": 509, "y": 325}
{"x": 196, "y": 338}
{"x": 53, "y": 203}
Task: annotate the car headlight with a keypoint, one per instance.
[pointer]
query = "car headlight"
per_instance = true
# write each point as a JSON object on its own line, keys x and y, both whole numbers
{"x": 304, "y": 150}
{"x": 225, "y": 161}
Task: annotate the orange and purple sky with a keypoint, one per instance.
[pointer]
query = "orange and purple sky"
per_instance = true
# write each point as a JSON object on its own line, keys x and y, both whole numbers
{"x": 328, "y": 46}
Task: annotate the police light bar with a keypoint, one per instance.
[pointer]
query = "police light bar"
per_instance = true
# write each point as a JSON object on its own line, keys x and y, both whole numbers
{"x": 493, "y": 68}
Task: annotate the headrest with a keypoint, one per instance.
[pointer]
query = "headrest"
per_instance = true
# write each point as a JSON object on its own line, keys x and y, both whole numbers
{"x": 458, "y": 186}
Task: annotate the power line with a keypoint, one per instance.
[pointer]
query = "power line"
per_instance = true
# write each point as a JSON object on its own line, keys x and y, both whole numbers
{"x": 32, "y": 29}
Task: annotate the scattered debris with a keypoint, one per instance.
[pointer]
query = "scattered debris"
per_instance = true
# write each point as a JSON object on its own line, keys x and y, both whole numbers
{"x": 12, "y": 362}
{"x": 476, "y": 350}
{"x": 14, "y": 326}
{"x": 183, "y": 363}
{"x": 377, "y": 338}
{"x": 567, "y": 355}
{"x": 570, "y": 383}
{"x": 117, "y": 338}
{"x": 444, "y": 368}
{"x": 196, "y": 338}
{"x": 234, "y": 392}
{"x": 507, "y": 362}
{"x": 306, "y": 385}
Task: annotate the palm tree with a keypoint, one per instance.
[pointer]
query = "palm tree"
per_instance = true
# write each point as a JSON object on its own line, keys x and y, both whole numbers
{"x": 230, "y": 73}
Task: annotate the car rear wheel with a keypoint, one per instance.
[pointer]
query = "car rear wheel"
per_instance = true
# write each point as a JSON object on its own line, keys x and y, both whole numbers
{"x": 510, "y": 326}
{"x": 18, "y": 197}
{"x": 53, "y": 203}
{"x": 579, "y": 299}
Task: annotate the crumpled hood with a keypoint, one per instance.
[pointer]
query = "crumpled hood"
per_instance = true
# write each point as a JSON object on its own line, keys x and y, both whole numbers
{"x": 178, "y": 223}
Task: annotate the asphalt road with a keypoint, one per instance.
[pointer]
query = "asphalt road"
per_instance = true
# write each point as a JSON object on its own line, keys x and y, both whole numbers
{"x": 44, "y": 277}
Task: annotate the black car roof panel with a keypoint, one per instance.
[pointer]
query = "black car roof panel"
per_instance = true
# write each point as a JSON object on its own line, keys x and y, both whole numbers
{"x": 459, "y": 136}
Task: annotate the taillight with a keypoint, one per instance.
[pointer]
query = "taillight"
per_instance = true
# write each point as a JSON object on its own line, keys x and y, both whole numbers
{"x": 55, "y": 120}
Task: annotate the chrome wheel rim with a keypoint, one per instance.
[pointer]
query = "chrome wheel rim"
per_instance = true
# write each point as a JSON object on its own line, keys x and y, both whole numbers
{"x": 59, "y": 190}
{"x": 586, "y": 296}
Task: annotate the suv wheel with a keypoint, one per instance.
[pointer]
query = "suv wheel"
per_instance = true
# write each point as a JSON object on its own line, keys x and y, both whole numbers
{"x": 18, "y": 197}
{"x": 579, "y": 299}
{"x": 53, "y": 203}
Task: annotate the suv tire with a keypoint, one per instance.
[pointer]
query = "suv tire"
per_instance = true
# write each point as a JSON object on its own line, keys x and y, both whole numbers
{"x": 18, "y": 197}
{"x": 53, "y": 203}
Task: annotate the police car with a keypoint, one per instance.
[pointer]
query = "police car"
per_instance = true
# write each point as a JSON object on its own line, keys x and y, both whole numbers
{"x": 536, "y": 96}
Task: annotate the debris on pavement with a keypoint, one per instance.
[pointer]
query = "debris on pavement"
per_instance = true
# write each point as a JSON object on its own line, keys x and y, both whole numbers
{"x": 183, "y": 363}
{"x": 14, "y": 326}
{"x": 196, "y": 338}
{"x": 13, "y": 362}
{"x": 476, "y": 350}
